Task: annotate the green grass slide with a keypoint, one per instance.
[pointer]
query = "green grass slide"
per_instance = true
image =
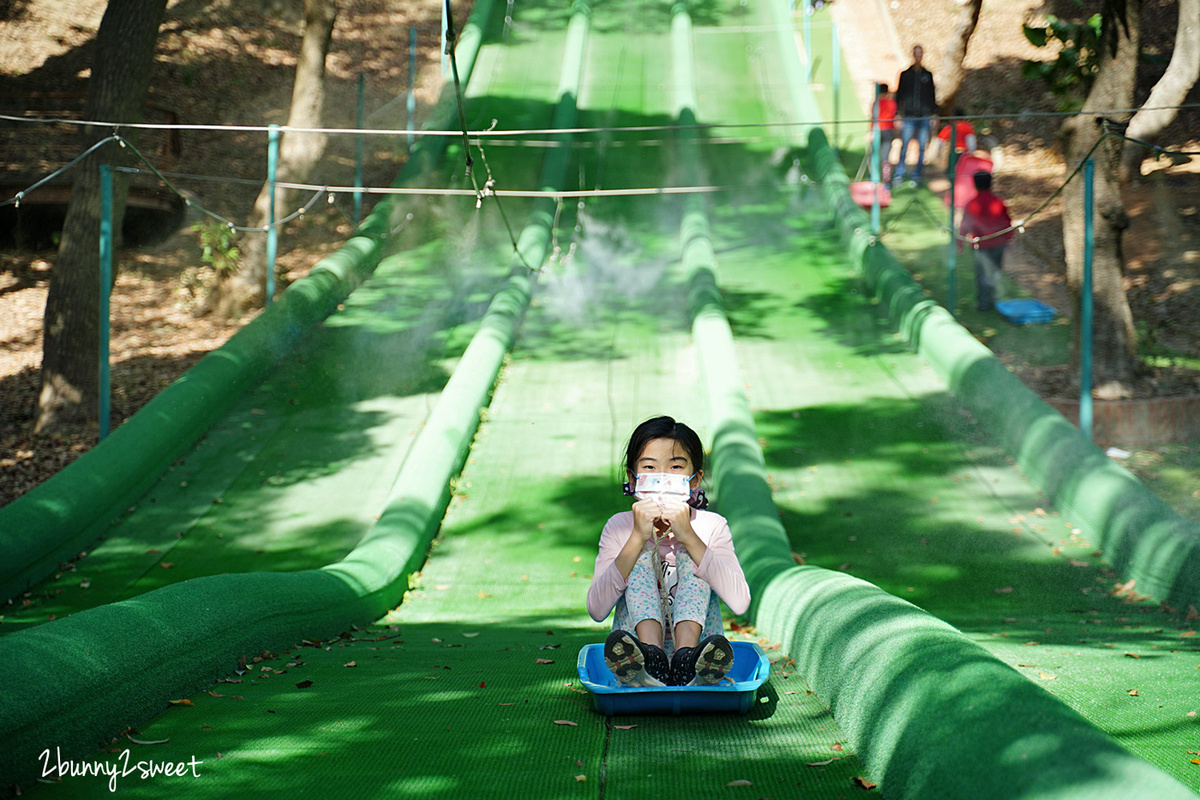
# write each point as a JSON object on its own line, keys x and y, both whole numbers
{"x": 56, "y": 520}
{"x": 1141, "y": 536}
{"x": 74, "y": 682}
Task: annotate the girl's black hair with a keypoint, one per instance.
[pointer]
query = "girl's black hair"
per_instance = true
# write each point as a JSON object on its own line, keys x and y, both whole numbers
{"x": 664, "y": 428}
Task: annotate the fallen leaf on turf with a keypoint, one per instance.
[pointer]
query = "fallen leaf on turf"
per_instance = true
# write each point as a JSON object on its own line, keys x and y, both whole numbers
{"x": 624, "y": 727}
{"x": 566, "y": 722}
{"x": 1192, "y": 614}
{"x": 506, "y": 704}
{"x": 152, "y": 550}
{"x": 1003, "y": 590}
{"x": 836, "y": 747}
{"x": 214, "y": 694}
{"x": 1190, "y": 714}
{"x": 1187, "y": 633}
{"x": 822, "y": 763}
{"x": 85, "y": 583}
{"x": 740, "y": 782}
{"x": 350, "y": 664}
{"x": 483, "y": 595}
{"x": 1074, "y": 562}
{"x": 184, "y": 702}
{"x": 581, "y": 778}
{"x": 470, "y": 635}
{"x": 436, "y": 640}
{"x": 482, "y": 684}
{"x": 167, "y": 564}
{"x": 139, "y": 741}
{"x": 303, "y": 684}
{"x": 1047, "y": 676}
{"x": 545, "y": 661}
{"x": 863, "y": 783}
{"x": 1133, "y": 692}
{"x": 1132, "y": 655}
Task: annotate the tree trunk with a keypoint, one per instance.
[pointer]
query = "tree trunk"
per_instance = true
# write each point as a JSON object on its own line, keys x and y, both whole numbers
{"x": 120, "y": 81}
{"x": 949, "y": 79}
{"x": 1115, "y": 358}
{"x": 298, "y": 155}
{"x": 1160, "y": 110}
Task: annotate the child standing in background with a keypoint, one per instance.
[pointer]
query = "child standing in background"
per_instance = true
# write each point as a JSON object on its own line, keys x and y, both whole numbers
{"x": 986, "y": 215}
{"x": 885, "y": 121}
{"x": 664, "y": 565}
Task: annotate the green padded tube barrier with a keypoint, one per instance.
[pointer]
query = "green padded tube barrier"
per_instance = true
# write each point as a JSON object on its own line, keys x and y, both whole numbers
{"x": 1142, "y": 537}
{"x": 56, "y": 520}
{"x": 73, "y": 682}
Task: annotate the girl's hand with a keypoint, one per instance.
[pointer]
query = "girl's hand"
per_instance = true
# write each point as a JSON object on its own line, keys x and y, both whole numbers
{"x": 679, "y": 517}
{"x": 645, "y": 512}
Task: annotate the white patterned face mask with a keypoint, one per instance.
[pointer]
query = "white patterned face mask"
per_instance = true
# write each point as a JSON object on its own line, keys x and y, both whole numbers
{"x": 666, "y": 487}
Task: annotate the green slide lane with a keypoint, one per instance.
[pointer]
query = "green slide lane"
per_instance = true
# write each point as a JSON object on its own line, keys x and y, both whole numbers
{"x": 266, "y": 568}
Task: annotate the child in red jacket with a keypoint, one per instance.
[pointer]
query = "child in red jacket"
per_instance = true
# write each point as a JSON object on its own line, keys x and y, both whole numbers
{"x": 885, "y": 121}
{"x": 984, "y": 216}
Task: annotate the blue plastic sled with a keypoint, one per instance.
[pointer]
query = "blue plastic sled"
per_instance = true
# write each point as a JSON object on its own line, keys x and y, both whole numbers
{"x": 749, "y": 671}
{"x": 1026, "y": 311}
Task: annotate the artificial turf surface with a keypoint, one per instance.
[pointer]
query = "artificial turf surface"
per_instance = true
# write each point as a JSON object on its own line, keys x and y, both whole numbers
{"x": 468, "y": 688}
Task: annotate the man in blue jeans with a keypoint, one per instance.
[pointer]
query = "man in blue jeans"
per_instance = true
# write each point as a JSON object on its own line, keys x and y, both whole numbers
{"x": 916, "y": 102}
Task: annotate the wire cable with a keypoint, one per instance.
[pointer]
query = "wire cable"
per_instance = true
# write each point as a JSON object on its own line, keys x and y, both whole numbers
{"x": 490, "y": 184}
{"x": 551, "y": 131}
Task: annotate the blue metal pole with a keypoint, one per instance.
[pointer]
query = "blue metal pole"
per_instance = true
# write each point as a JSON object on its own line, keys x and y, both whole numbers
{"x": 106, "y": 253}
{"x": 358, "y": 156}
{"x": 445, "y": 53}
{"x": 1085, "y": 302}
{"x": 876, "y": 159}
{"x": 412, "y": 82}
{"x": 272, "y": 233}
{"x": 808, "y": 41}
{"x": 952, "y": 278}
{"x": 837, "y": 80}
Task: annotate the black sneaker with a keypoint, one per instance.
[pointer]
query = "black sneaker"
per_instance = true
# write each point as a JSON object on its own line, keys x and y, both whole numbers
{"x": 625, "y": 659}
{"x": 705, "y": 664}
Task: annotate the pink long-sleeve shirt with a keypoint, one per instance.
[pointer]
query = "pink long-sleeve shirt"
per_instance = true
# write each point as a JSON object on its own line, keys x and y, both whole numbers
{"x": 719, "y": 568}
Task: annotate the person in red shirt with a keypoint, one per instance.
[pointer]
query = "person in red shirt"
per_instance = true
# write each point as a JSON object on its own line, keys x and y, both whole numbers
{"x": 885, "y": 120}
{"x": 984, "y": 216}
{"x": 964, "y": 136}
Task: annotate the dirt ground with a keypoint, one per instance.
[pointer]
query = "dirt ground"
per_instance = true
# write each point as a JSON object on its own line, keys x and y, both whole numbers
{"x": 1018, "y": 125}
{"x": 210, "y": 53}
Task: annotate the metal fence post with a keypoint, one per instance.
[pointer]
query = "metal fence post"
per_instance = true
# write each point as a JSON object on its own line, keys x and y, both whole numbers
{"x": 106, "y": 255}
{"x": 272, "y": 233}
{"x": 1085, "y": 311}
